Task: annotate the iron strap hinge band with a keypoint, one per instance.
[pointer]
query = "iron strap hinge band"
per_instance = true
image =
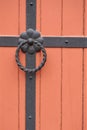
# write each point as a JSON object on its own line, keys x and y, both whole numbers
{"x": 49, "y": 42}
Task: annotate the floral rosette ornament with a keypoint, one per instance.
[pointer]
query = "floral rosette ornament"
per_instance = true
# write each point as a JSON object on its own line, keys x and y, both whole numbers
{"x": 31, "y": 38}
{"x": 30, "y": 42}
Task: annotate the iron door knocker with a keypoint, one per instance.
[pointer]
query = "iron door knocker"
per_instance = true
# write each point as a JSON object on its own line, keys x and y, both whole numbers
{"x": 30, "y": 42}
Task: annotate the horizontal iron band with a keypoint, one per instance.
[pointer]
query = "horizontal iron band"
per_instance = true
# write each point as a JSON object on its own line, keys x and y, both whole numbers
{"x": 50, "y": 42}
{"x": 8, "y": 41}
{"x": 65, "y": 42}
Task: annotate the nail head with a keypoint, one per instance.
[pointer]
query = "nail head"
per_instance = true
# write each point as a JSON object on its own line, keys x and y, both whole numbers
{"x": 66, "y": 41}
{"x": 31, "y": 3}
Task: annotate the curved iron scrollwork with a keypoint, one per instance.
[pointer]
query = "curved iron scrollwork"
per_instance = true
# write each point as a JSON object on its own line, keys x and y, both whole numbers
{"x": 30, "y": 42}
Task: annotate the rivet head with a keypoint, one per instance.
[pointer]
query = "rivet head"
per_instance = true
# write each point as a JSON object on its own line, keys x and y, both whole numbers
{"x": 30, "y": 117}
{"x": 30, "y": 41}
{"x": 30, "y": 77}
{"x": 31, "y": 50}
{"x": 31, "y": 3}
{"x": 66, "y": 41}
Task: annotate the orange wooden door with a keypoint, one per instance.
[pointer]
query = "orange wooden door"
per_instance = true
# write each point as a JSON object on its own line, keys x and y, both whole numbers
{"x": 61, "y": 86}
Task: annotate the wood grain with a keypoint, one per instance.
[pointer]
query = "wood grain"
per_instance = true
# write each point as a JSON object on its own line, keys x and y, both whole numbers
{"x": 9, "y": 17}
{"x": 72, "y": 65}
{"x": 8, "y": 90}
{"x": 48, "y": 84}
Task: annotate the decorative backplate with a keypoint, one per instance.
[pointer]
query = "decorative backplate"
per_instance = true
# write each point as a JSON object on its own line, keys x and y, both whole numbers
{"x": 31, "y": 37}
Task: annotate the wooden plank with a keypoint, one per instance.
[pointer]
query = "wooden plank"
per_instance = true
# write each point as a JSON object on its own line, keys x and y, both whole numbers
{"x": 12, "y": 16}
{"x": 38, "y": 75}
{"x": 51, "y": 91}
{"x": 38, "y": 15}
{"x": 72, "y": 17}
{"x": 21, "y": 98}
{"x": 72, "y": 89}
{"x": 72, "y": 67}
{"x": 85, "y": 90}
{"x": 8, "y": 90}
{"x": 85, "y": 69}
{"x": 50, "y": 18}
{"x": 48, "y": 87}
{"x": 48, "y": 92}
{"x": 38, "y": 94}
{"x": 9, "y": 17}
{"x": 22, "y": 14}
{"x": 22, "y": 76}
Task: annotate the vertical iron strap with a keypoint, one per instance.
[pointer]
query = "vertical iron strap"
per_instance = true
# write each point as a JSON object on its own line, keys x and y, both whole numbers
{"x": 30, "y": 63}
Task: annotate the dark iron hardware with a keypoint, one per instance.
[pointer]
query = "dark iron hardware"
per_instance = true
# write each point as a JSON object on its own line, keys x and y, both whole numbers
{"x": 31, "y": 37}
{"x": 30, "y": 42}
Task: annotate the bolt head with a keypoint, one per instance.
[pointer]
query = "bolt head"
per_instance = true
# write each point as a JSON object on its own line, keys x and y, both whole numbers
{"x": 30, "y": 77}
{"x": 30, "y": 41}
{"x": 30, "y": 117}
{"x": 66, "y": 41}
{"x": 31, "y": 3}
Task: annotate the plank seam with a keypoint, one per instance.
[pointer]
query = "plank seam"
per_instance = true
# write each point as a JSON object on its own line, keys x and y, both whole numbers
{"x": 83, "y": 90}
{"x": 18, "y": 69}
{"x": 61, "y": 17}
{"x": 18, "y": 16}
{"x": 84, "y": 2}
{"x": 61, "y": 86}
{"x": 18, "y": 101}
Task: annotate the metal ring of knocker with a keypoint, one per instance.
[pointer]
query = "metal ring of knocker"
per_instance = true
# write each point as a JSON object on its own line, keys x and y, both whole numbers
{"x": 30, "y": 42}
